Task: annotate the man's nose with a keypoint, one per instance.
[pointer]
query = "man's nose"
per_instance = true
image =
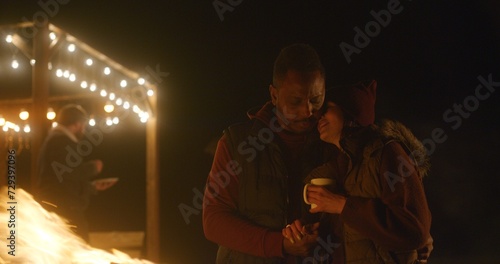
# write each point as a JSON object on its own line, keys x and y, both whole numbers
{"x": 306, "y": 110}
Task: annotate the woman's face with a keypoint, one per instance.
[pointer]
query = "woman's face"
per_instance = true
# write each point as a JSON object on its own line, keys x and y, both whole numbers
{"x": 331, "y": 124}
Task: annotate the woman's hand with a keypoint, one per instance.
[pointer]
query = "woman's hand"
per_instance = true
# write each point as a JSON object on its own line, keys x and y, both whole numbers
{"x": 325, "y": 200}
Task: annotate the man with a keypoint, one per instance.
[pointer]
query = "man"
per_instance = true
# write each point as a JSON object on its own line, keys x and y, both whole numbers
{"x": 65, "y": 178}
{"x": 254, "y": 188}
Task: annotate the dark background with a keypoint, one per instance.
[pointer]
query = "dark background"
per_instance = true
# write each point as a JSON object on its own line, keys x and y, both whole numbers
{"x": 427, "y": 59}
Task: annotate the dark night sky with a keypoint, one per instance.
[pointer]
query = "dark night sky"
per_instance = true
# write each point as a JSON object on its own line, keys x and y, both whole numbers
{"x": 426, "y": 59}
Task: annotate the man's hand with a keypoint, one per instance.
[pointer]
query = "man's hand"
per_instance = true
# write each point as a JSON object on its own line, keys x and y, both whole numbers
{"x": 104, "y": 184}
{"x": 299, "y": 239}
{"x": 425, "y": 252}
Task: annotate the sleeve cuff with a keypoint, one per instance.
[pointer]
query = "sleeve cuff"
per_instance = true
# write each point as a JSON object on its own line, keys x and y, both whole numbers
{"x": 273, "y": 244}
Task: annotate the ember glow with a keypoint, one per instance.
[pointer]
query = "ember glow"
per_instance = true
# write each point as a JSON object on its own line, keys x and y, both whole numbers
{"x": 30, "y": 234}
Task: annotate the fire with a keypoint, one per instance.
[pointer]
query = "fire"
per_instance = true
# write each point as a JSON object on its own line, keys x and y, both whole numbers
{"x": 30, "y": 234}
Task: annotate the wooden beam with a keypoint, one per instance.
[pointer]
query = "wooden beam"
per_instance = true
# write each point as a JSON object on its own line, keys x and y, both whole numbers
{"x": 152, "y": 186}
{"x": 40, "y": 95}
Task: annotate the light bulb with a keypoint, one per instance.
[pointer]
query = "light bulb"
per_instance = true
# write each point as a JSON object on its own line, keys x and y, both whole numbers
{"x": 116, "y": 120}
{"x": 126, "y": 105}
{"x": 27, "y": 128}
{"x": 15, "y": 64}
{"x": 104, "y": 93}
{"x": 123, "y": 83}
{"x": 150, "y": 92}
{"x": 32, "y": 62}
{"x": 59, "y": 73}
{"x": 119, "y": 101}
{"x": 71, "y": 47}
{"x": 52, "y": 35}
{"x": 92, "y": 122}
{"x": 109, "y": 107}
{"x": 107, "y": 70}
{"x": 24, "y": 115}
{"x": 141, "y": 81}
{"x": 72, "y": 77}
{"x": 84, "y": 84}
{"x": 109, "y": 122}
{"x": 2, "y": 120}
{"x": 8, "y": 38}
{"x": 51, "y": 114}
{"x": 112, "y": 96}
{"x": 89, "y": 62}
{"x": 93, "y": 87}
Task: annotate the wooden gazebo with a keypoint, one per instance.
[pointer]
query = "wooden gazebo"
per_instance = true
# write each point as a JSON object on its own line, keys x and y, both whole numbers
{"x": 123, "y": 88}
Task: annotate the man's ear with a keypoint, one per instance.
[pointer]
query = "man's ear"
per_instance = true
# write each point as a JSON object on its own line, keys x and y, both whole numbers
{"x": 273, "y": 91}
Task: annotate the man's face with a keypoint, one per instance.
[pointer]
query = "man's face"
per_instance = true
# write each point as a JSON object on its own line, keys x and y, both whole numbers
{"x": 298, "y": 98}
{"x": 80, "y": 130}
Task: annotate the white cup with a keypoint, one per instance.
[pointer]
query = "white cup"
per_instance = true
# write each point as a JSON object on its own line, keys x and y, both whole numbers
{"x": 317, "y": 182}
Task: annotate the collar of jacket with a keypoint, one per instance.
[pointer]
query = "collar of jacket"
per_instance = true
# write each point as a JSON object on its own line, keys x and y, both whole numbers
{"x": 60, "y": 129}
{"x": 354, "y": 143}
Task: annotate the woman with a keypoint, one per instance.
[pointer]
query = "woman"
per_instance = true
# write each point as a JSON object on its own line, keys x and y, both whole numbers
{"x": 378, "y": 210}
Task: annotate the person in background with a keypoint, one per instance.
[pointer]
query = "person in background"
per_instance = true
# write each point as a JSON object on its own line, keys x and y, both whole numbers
{"x": 65, "y": 178}
{"x": 377, "y": 210}
{"x": 254, "y": 186}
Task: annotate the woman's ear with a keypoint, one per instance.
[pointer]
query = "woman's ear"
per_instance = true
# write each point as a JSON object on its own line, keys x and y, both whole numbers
{"x": 273, "y": 91}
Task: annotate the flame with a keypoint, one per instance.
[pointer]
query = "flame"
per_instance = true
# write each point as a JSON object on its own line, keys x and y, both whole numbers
{"x": 30, "y": 234}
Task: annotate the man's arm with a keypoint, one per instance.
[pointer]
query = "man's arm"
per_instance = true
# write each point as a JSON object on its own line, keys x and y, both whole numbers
{"x": 221, "y": 222}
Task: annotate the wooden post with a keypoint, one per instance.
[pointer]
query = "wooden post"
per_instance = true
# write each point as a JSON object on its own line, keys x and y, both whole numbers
{"x": 152, "y": 185}
{"x": 40, "y": 95}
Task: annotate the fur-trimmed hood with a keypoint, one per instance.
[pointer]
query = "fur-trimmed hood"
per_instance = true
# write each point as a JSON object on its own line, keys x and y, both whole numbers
{"x": 399, "y": 132}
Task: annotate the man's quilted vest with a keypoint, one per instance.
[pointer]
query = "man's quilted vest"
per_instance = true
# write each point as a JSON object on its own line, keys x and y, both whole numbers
{"x": 263, "y": 191}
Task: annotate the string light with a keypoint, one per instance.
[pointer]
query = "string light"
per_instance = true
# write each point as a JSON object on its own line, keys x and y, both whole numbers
{"x": 109, "y": 122}
{"x": 136, "y": 109}
{"x": 109, "y": 107}
{"x": 51, "y": 114}
{"x": 92, "y": 121}
{"x": 15, "y": 64}
{"x": 24, "y": 115}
